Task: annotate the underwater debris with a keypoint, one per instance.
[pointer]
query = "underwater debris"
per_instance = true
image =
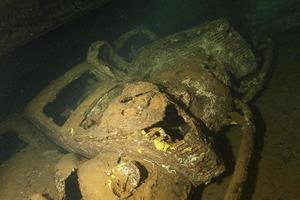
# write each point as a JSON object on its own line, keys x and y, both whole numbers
{"x": 146, "y": 122}
{"x": 65, "y": 168}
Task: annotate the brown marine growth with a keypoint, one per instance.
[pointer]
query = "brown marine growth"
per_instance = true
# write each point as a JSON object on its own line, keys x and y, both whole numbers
{"x": 152, "y": 114}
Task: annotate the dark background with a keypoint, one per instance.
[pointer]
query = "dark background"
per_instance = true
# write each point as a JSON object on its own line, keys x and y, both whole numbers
{"x": 29, "y": 68}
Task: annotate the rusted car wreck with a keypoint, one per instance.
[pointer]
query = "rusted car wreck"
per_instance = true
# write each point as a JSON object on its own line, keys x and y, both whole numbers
{"x": 144, "y": 116}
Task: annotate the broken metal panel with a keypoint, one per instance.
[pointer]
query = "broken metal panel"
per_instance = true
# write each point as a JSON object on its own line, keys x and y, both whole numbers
{"x": 140, "y": 113}
{"x": 70, "y": 97}
{"x": 149, "y": 125}
{"x": 62, "y": 135}
{"x": 64, "y": 168}
{"x": 211, "y": 40}
{"x": 23, "y": 21}
{"x": 163, "y": 124}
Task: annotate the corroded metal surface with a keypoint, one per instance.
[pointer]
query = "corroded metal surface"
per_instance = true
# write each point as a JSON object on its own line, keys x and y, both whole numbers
{"x": 158, "y": 109}
{"x": 215, "y": 39}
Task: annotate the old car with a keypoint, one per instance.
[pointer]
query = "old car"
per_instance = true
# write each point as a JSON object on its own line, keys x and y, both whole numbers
{"x": 143, "y": 112}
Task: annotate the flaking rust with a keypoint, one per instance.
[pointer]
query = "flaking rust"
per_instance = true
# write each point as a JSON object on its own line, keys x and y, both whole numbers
{"x": 145, "y": 121}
